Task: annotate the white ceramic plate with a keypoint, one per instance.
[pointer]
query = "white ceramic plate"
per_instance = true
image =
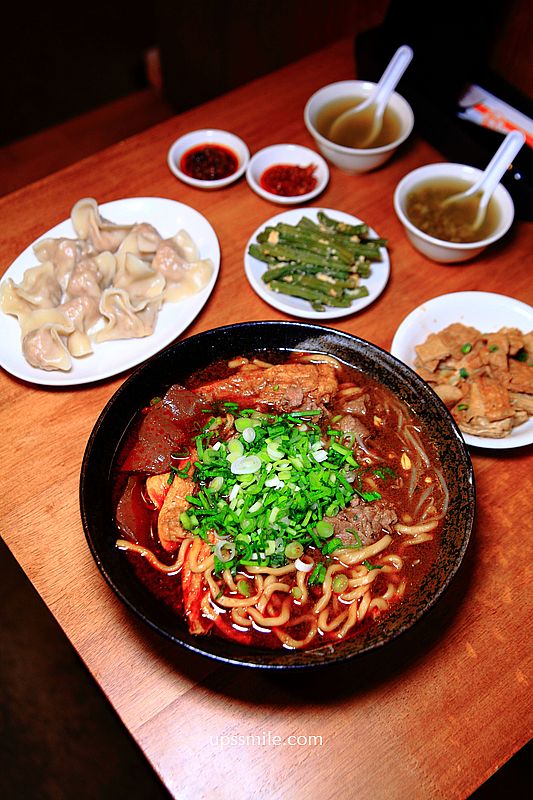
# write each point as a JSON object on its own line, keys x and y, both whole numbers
{"x": 286, "y": 154}
{"x": 295, "y": 306}
{"x": 482, "y": 310}
{"x": 111, "y": 358}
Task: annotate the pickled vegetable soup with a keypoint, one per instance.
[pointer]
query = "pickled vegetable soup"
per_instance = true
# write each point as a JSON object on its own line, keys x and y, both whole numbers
{"x": 355, "y": 129}
{"x": 453, "y": 223}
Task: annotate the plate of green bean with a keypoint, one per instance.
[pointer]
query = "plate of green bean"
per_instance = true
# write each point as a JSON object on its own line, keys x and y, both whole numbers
{"x": 317, "y": 263}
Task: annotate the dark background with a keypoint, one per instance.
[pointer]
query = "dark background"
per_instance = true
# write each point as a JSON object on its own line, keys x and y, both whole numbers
{"x": 58, "y": 61}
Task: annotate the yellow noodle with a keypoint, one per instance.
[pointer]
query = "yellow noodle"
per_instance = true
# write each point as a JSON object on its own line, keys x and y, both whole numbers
{"x": 239, "y": 619}
{"x": 152, "y": 559}
{"x": 378, "y": 602}
{"x": 259, "y": 363}
{"x": 422, "y": 527}
{"x": 390, "y": 592}
{"x": 267, "y": 593}
{"x": 237, "y": 602}
{"x": 350, "y": 621}
{"x": 326, "y": 588}
{"x": 359, "y": 591}
{"x": 349, "y": 391}
{"x": 420, "y": 539}
{"x": 228, "y": 580}
{"x": 319, "y": 358}
{"x": 363, "y": 606}
{"x": 364, "y": 580}
{"x": 207, "y": 563}
{"x": 301, "y": 582}
{"x": 271, "y": 622}
{"x": 237, "y": 362}
{"x": 395, "y": 561}
{"x": 214, "y": 588}
{"x": 326, "y": 626}
{"x": 271, "y": 570}
{"x": 350, "y": 557}
{"x": 289, "y": 641}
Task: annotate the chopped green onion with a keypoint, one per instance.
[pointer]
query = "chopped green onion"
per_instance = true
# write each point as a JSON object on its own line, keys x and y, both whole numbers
{"x": 370, "y": 566}
{"x": 317, "y": 575}
{"x": 463, "y": 373}
{"x": 339, "y": 584}
{"x": 466, "y": 348}
{"x": 294, "y": 550}
{"x": 462, "y": 406}
{"x": 358, "y": 542}
{"x": 331, "y": 546}
{"x": 243, "y": 587}
{"x": 324, "y": 529}
{"x": 246, "y": 465}
{"x": 224, "y": 551}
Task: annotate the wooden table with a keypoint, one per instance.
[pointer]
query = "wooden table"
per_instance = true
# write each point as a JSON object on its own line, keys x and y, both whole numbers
{"x": 450, "y": 703}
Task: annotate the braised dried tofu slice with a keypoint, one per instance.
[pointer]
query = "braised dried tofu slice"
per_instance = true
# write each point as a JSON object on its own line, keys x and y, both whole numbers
{"x": 481, "y": 426}
{"x": 488, "y": 398}
{"x": 157, "y": 487}
{"x": 431, "y": 352}
{"x": 169, "y": 527}
{"x": 520, "y": 376}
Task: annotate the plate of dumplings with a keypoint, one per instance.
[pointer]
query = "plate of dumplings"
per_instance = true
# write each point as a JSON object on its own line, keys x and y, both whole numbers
{"x": 104, "y": 290}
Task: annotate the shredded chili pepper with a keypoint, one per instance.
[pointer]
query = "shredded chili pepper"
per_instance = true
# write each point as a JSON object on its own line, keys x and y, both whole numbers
{"x": 288, "y": 180}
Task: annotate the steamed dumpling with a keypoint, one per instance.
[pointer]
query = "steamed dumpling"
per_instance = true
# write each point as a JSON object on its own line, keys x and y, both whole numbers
{"x": 43, "y": 348}
{"x": 123, "y": 320}
{"x": 101, "y": 233}
{"x": 39, "y": 286}
{"x": 63, "y": 253}
{"x": 184, "y": 277}
{"x": 91, "y": 275}
{"x": 84, "y": 313}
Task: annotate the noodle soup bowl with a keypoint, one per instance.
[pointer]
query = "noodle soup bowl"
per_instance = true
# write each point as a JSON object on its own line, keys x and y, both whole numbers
{"x": 439, "y": 250}
{"x": 175, "y": 365}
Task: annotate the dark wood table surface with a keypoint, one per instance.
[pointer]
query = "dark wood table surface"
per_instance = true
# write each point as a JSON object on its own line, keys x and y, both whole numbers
{"x": 450, "y": 703}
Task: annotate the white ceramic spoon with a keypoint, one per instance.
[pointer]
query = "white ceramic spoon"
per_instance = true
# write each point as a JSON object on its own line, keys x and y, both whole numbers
{"x": 378, "y": 98}
{"x": 486, "y": 184}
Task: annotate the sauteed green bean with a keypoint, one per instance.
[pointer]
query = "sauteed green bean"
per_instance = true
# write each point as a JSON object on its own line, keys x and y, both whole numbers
{"x": 322, "y": 262}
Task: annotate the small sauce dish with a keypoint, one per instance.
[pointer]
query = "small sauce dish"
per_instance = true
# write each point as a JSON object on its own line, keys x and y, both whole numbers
{"x": 208, "y": 158}
{"x": 288, "y": 174}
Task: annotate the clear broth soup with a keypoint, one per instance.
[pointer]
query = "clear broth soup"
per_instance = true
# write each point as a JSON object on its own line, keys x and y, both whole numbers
{"x": 452, "y": 223}
{"x": 354, "y": 129}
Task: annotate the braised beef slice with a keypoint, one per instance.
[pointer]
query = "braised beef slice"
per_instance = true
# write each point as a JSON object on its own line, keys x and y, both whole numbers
{"x": 166, "y": 426}
{"x": 370, "y": 520}
{"x": 127, "y": 506}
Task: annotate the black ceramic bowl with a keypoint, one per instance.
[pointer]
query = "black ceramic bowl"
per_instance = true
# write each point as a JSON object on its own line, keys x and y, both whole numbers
{"x": 173, "y": 365}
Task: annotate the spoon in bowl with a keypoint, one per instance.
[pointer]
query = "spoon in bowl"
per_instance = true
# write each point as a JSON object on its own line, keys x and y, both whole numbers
{"x": 488, "y": 181}
{"x": 373, "y": 108}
